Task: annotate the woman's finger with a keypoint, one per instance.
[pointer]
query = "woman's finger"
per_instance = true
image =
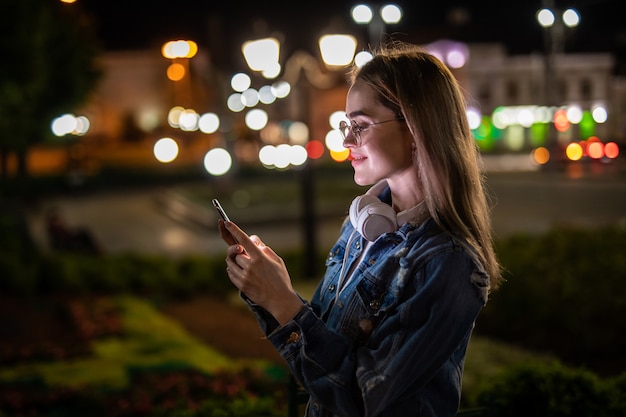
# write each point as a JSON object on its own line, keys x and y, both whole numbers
{"x": 242, "y": 238}
{"x": 225, "y": 234}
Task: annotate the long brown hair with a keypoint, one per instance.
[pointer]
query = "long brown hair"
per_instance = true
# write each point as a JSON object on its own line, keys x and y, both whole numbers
{"x": 421, "y": 89}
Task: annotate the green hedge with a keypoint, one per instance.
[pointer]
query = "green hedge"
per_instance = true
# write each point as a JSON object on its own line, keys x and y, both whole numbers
{"x": 553, "y": 391}
{"x": 564, "y": 294}
{"x": 115, "y": 274}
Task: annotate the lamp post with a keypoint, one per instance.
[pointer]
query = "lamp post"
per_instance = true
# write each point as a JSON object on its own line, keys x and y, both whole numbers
{"x": 554, "y": 41}
{"x": 337, "y": 51}
{"x": 388, "y": 14}
{"x": 180, "y": 52}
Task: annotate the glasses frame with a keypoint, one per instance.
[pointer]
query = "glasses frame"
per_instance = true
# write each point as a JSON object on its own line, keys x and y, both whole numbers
{"x": 358, "y": 129}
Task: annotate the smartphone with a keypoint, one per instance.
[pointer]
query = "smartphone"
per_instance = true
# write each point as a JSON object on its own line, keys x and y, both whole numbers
{"x": 223, "y": 215}
{"x": 220, "y": 210}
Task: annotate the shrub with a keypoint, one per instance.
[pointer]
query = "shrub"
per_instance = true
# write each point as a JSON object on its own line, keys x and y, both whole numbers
{"x": 565, "y": 294}
{"x": 550, "y": 391}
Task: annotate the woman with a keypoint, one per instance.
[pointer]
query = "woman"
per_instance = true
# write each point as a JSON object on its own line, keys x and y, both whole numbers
{"x": 387, "y": 330}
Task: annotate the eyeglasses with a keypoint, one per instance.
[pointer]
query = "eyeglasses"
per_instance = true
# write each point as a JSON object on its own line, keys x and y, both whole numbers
{"x": 357, "y": 129}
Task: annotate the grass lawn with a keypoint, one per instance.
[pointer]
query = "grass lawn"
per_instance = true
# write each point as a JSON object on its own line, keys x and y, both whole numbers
{"x": 150, "y": 339}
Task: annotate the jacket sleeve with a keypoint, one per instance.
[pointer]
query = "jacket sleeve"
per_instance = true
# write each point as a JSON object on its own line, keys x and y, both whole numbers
{"x": 407, "y": 348}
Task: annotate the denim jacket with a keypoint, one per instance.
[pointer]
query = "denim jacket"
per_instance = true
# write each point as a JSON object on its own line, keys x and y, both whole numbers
{"x": 393, "y": 342}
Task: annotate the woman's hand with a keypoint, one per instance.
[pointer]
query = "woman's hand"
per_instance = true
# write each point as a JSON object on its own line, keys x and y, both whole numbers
{"x": 258, "y": 272}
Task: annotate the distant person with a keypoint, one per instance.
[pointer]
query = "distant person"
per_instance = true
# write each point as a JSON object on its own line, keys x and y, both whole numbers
{"x": 387, "y": 329}
{"x": 64, "y": 238}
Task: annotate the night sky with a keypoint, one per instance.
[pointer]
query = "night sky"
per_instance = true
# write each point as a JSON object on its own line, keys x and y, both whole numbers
{"x": 224, "y": 25}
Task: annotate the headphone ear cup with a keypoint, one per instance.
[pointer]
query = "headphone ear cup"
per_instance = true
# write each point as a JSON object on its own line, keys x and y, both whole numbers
{"x": 371, "y": 217}
{"x": 357, "y": 207}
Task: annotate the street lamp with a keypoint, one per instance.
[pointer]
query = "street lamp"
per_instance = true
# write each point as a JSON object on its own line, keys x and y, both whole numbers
{"x": 180, "y": 52}
{"x": 263, "y": 56}
{"x": 388, "y": 14}
{"x": 554, "y": 39}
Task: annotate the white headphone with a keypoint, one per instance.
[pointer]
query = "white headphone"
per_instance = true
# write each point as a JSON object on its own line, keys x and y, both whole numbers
{"x": 370, "y": 216}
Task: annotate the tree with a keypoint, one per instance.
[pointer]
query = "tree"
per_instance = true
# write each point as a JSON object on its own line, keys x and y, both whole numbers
{"x": 48, "y": 54}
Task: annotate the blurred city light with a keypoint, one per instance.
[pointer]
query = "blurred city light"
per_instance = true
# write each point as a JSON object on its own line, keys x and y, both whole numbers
{"x": 541, "y": 155}
{"x": 571, "y": 18}
{"x": 453, "y": 54}
{"x": 217, "y": 161}
{"x": 611, "y": 150}
{"x": 266, "y": 95}
{"x": 388, "y": 14}
{"x": 240, "y": 82}
{"x": 314, "y": 149}
{"x": 340, "y": 156}
{"x": 209, "y": 123}
{"x": 281, "y": 89}
{"x": 272, "y": 71}
{"x": 574, "y": 151}
{"x": 363, "y": 58}
{"x": 261, "y": 54}
{"x": 391, "y": 13}
{"x": 574, "y": 114}
{"x": 335, "y": 118}
{"x": 70, "y": 124}
{"x": 176, "y": 72}
{"x": 362, "y": 14}
{"x": 235, "y": 103}
{"x": 165, "y": 150}
{"x": 599, "y": 113}
{"x": 179, "y": 49}
{"x": 250, "y": 97}
{"x": 256, "y": 119}
{"x": 337, "y": 50}
{"x": 474, "y": 118}
{"x": 546, "y": 18}
{"x": 298, "y": 155}
{"x": 173, "y": 116}
{"x": 595, "y": 150}
{"x": 298, "y": 133}
{"x": 334, "y": 141}
{"x": 561, "y": 122}
{"x": 188, "y": 120}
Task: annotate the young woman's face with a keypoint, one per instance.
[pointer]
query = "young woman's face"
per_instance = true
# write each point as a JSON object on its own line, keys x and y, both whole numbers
{"x": 384, "y": 150}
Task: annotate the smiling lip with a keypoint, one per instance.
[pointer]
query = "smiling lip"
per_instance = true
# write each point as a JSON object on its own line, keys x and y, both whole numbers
{"x": 356, "y": 159}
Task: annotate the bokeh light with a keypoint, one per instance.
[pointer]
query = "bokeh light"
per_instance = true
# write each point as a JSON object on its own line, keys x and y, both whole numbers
{"x": 574, "y": 151}
{"x": 362, "y": 14}
{"x": 240, "y": 82}
{"x": 595, "y": 150}
{"x": 315, "y": 149}
{"x": 540, "y": 155}
{"x": 340, "y": 156}
{"x": 70, "y": 124}
{"x": 256, "y": 119}
{"x": 209, "y": 123}
{"x": 391, "y": 13}
{"x": 165, "y": 150}
{"x": 217, "y": 161}
{"x": 334, "y": 140}
{"x": 611, "y": 150}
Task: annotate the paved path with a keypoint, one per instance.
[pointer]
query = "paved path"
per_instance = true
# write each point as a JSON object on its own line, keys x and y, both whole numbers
{"x": 139, "y": 221}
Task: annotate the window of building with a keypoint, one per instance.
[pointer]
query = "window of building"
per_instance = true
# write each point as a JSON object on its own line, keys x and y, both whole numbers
{"x": 586, "y": 89}
{"x": 484, "y": 94}
{"x": 512, "y": 91}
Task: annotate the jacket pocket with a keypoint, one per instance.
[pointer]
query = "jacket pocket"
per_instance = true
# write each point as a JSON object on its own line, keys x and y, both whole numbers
{"x": 366, "y": 308}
